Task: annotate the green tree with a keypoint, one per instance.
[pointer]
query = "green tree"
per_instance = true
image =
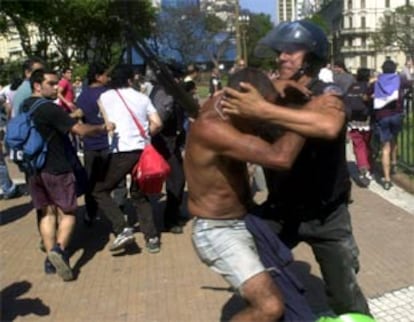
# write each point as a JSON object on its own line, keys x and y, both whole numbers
{"x": 321, "y": 22}
{"x": 181, "y": 33}
{"x": 80, "y": 30}
{"x": 259, "y": 26}
{"x": 21, "y": 15}
{"x": 217, "y": 40}
{"x": 397, "y": 29}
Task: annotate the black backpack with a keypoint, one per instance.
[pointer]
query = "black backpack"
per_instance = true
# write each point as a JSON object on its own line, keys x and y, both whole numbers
{"x": 356, "y": 108}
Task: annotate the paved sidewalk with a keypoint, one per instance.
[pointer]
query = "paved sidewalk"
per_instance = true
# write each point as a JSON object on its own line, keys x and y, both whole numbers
{"x": 173, "y": 286}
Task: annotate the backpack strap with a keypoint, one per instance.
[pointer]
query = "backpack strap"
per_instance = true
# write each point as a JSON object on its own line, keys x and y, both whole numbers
{"x": 36, "y": 104}
{"x": 33, "y": 108}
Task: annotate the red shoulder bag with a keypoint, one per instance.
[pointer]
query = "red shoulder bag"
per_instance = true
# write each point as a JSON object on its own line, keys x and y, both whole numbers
{"x": 151, "y": 169}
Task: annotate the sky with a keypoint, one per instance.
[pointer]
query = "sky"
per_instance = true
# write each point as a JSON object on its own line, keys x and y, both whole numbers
{"x": 258, "y": 6}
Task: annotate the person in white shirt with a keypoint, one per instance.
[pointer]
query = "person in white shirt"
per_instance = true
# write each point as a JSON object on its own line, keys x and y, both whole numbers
{"x": 126, "y": 144}
{"x": 326, "y": 74}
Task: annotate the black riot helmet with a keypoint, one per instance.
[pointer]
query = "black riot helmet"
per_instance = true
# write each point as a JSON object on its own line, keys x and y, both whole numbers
{"x": 297, "y": 35}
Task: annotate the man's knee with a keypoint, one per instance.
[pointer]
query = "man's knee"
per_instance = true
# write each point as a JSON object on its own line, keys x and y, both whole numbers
{"x": 272, "y": 308}
{"x": 264, "y": 296}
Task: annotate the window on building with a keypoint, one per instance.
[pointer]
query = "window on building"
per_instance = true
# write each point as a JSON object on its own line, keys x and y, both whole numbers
{"x": 349, "y": 4}
{"x": 362, "y": 4}
{"x": 387, "y": 3}
{"x": 363, "y": 41}
{"x": 363, "y": 22}
{"x": 350, "y": 22}
{"x": 364, "y": 61}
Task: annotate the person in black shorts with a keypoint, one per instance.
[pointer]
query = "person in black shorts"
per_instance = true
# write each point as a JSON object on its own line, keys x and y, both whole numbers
{"x": 52, "y": 188}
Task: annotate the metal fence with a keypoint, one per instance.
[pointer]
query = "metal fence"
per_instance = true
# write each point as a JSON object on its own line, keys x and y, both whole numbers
{"x": 406, "y": 137}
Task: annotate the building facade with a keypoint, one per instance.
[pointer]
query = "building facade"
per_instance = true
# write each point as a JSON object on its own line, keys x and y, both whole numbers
{"x": 289, "y": 10}
{"x": 10, "y": 44}
{"x": 361, "y": 20}
{"x": 352, "y": 24}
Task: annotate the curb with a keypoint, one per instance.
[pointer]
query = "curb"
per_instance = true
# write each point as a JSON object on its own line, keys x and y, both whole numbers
{"x": 404, "y": 181}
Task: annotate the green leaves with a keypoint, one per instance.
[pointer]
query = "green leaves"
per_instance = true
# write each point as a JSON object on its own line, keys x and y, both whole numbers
{"x": 397, "y": 30}
{"x": 80, "y": 30}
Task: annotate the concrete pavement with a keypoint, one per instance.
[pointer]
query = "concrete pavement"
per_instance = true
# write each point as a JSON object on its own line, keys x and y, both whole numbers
{"x": 173, "y": 285}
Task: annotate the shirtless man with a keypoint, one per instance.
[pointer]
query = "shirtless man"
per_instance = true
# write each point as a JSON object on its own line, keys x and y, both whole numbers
{"x": 217, "y": 150}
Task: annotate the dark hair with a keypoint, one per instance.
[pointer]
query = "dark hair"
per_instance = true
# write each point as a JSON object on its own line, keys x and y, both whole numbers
{"x": 15, "y": 83}
{"x": 265, "y": 87}
{"x": 340, "y": 64}
{"x": 95, "y": 69}
{"x": 28, "y": 63}
{"x": 66, "y": 69}
{"x": 120, "y": 76}
{"x": 189, "y": 86}
{"x": 363, "y": 74}
{"x": 38, "y": 76}
{"x": 389, "y": 67}
{"x": 257, "y": 78}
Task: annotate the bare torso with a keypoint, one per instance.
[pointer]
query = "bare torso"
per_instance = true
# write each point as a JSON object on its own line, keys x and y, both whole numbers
{"x": 218, "y": 185}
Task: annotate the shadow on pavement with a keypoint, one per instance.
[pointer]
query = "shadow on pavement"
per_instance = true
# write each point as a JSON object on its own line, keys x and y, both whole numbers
{"x": 14, "y": 213}
{"x": 234, "y": 305}
{"x": 314, "y": 286}
{"x": 90, "y": 240}
{"x": 13, "y": 307}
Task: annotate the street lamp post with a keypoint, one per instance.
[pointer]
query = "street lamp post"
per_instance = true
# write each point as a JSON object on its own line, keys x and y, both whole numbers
{"x": 237, "y": 25}
{"x": 244, "y": 21}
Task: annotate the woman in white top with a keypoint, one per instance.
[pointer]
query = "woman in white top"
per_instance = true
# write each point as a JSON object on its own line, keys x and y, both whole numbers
{"x": 126, "y": 144}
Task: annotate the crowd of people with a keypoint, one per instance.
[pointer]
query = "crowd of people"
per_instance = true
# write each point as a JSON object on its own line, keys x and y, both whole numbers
{"x": 293, "y": 124}
{"x": 375, "y": 112}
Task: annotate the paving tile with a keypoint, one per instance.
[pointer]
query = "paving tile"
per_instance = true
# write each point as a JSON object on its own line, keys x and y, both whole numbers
{"x": 173, "y": 286}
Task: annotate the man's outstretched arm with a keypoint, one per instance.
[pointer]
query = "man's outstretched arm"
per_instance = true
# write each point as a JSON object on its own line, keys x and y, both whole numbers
{"x": 323, "y": 116}
{"x": 226, "y": 140}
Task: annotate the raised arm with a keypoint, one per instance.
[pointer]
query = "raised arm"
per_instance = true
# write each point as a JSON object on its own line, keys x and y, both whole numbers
{"x": 323, "y": 116}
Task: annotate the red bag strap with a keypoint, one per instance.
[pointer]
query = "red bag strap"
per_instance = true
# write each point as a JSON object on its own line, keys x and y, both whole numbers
{"x": 137, "y": 123}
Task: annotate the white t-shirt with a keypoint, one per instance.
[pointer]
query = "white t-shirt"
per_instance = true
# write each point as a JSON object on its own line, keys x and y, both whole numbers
{"x": 126, "y": 136}
{"x": 326, "y": 75}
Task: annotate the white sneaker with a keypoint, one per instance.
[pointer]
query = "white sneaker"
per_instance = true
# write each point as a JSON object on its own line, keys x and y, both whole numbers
{"x": 123, "y": 239}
